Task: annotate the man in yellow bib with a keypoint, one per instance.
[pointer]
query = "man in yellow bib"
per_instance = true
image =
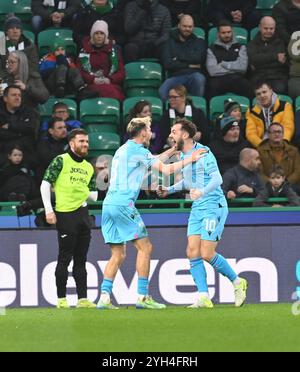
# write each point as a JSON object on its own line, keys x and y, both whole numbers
{"x": 73, "y": 180}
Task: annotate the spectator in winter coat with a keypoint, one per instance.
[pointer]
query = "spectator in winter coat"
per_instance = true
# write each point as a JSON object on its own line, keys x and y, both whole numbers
{"x": 183, "y": 57}
{"x": 53, "y": 13}
{"x": 268, "y": 109}
{"x": 16, "y": 178}
{"x": 234, "y": 109}
{"x": 101, "y": 64}
{"x": 227, "y": 64}
{"x": 276, "y": 187}
{"x": 61, "y": 74}
{"x": 239, "y": 12}
{"x": 13, "y": 40}
{"x": 294, "y": 58}
{"x": 147, "y": 25}
{"x": 180, "y": 106}
{"x": 243, "y": 181}
{"x": 103, "y": 10}
{"x": 227, "y": 148}
{"x": 18, "y": 125}
{"x": 61, "y": 111}
{"x": 276, "y": 151}
{"x": 287, "y": 16}
{"x": 267, "y": 56}
{"x": 17, "y": 73}
{"x": 178, "y": 8}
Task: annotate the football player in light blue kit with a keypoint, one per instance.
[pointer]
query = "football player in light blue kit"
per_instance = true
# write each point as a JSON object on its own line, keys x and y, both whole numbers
{"x": 121, "y": 222}
{"x": 207, "y": 217}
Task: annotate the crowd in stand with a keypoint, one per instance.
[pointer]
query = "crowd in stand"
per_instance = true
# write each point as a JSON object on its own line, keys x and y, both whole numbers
{"x": 110, "y": 34}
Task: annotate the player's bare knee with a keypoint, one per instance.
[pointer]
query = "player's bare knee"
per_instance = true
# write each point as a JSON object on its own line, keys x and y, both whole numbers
{"x": 122, "y": 257}
{"x": 148, "y": 248}
{"x": 207, "y": 256}
{"x": 192, "y": 252}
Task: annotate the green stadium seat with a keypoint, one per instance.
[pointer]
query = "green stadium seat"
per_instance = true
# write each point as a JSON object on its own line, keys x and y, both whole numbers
{"x": 199, "y": 102}
{"x": 29, "y": 35}
{"x": 297, "y": 103}
{"x": 100, "y": 111}
{"x": 156, "y": 104}
{"x": 240, "y": 33}
{"x": 45, "y": 109}
{"x": 266, "y": 6}
{"x": 103, "y": 143}
{"x": 47, "y": 37}
{"x": 216, "y": 104}
{"x": 286, "y": 98}
{"x": 142, "y": 79}
{"x": 253, "y": 32}
{"x": 21, "y": 8}
{"x": 199, "y": 32}
{"x": 100, "y": 128}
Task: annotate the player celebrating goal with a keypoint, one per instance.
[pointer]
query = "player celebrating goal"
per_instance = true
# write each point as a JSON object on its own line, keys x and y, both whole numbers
{"x": 207, "y": 217}
{"x": 121, "y": 222}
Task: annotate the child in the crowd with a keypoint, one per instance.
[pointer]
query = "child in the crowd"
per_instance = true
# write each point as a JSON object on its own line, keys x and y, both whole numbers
{"x": 61, "y": 111}
{"x": 61, "y": 75}
{"x": 277, "y": 187}
{"x": 16, "y": 178}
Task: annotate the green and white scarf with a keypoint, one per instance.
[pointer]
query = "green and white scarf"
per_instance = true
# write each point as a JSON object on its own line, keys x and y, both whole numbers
{"x": 86, "y": 65}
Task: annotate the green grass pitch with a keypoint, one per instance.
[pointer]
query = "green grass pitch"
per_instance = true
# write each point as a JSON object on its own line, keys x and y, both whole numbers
{"x": 264, "y": 327}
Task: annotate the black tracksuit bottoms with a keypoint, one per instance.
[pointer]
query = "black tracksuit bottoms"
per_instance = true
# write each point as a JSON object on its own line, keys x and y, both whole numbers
{"x": 74, "y": 235}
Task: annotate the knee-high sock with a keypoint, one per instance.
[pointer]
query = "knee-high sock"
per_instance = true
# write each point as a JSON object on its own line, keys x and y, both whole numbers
{"x": 198, "y": 273}
{"x": 220, "y": 264}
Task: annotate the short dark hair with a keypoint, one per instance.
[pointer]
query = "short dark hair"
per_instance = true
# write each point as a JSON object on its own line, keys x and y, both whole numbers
{"x": 187, "y": 126}
{"x": 76, "y": 132}
{"x": 14, "y": 147}
{"x": 224, "y": 23}
{"x": 275, "y": 123}
{"x": 13, "y": 86}
{"x": 52, "y": 122}
{"x": 59, "y": 105}
{"x": 138, "y": 108}
{"x": 260, "y": 83}
{"x": 277, "y": 170}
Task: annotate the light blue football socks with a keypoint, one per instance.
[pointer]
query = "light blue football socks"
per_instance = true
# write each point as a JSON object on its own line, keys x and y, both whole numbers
{"x": 106, "y": 286}
{"x": 220, "y": 264}
{"x": 198, "y": 273}
{"x": 143, "y": 286}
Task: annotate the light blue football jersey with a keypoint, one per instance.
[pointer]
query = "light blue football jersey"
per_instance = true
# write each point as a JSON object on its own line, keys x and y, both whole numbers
{"x": 197, "y": 176}
{"x": 128, "y": 169}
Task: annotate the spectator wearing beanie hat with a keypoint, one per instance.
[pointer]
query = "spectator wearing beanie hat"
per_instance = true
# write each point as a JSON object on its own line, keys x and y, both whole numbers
{"x": 228, "y": 146}
{"x": 101, "y": 64}
{"x": 231, "y": 108}
{"x": 61, "y": 75}
{"x": 111, "y": 12}
{"x": 14, "y": 40}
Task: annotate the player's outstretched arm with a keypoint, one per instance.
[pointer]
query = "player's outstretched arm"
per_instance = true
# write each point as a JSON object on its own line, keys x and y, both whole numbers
{"x": 168, "y": 169}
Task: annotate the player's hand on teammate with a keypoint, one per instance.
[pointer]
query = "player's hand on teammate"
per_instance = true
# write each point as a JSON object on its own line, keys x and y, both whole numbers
{"x": 195, "y": 194}
{"x": 51, "y": 218}
{"x": 198, "y": 154}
